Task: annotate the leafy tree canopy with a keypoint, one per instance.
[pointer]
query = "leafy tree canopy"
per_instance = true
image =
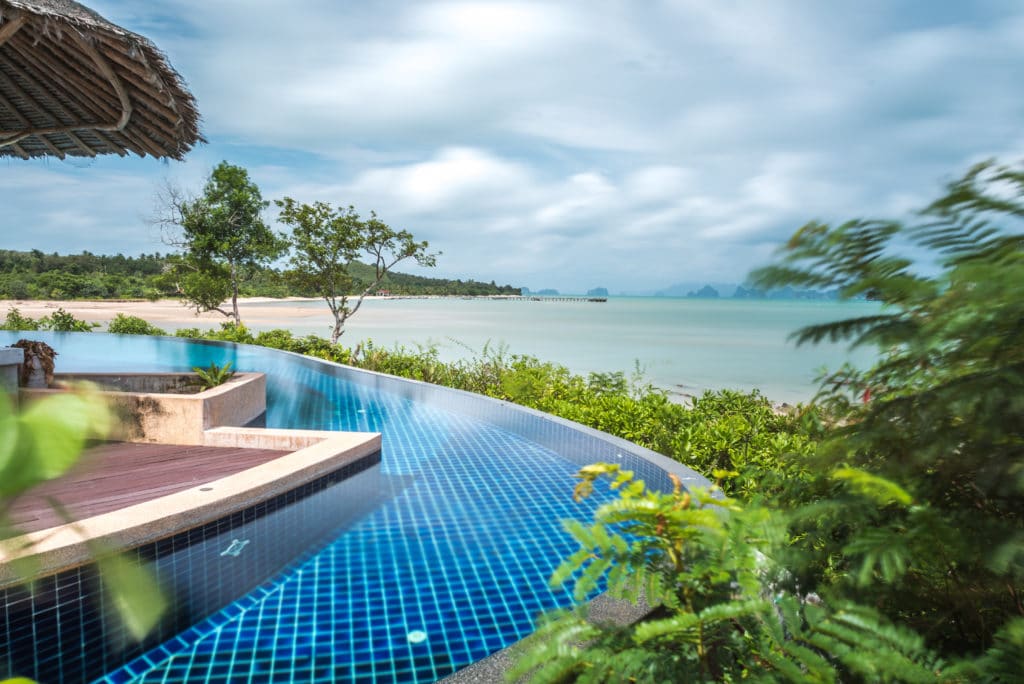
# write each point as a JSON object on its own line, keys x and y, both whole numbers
{"x": 223, "y": 236}
{"x": 325, "y": 245}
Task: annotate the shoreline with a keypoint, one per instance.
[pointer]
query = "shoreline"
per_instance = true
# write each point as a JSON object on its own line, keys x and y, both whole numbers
{"x": 260, "y": 311}
{"x": 540, "y": 332}
{"x": 162, "y": 312}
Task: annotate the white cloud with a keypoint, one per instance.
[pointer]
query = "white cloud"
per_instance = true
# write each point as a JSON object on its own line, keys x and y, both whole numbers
{"x": 455, "y": 175}
{"x": 564, "y": 144}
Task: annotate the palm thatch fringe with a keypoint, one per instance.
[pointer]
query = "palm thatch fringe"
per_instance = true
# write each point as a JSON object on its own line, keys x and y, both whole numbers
{"x": 72, "y": 83}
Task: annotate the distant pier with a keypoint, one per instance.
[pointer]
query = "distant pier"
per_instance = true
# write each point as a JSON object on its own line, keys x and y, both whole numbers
{"x": 545, "y": 298}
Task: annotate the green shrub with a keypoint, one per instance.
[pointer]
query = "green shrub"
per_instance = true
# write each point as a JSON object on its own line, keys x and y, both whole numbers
{"x": 132, "y": 325}
{"x": 945, "y": 418}
{"x": 276, "y": 339}
{"x": 59, "y": 321}
{"x": 15, "y": 321}
{"x": 706, "y": 566}
{"x": 311, "y": 345}
{"x": 214, "y": 376}
{"x": 885, "y": 538}
{"x": 62, "y": 321}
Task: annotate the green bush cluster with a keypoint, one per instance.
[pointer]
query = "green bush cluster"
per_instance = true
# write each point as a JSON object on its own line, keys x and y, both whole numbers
{"x": 122, "y": 324}
{"x": 310, "y": 345}
{"x": 742, "y": 435}
{"x": 59, "y": 321}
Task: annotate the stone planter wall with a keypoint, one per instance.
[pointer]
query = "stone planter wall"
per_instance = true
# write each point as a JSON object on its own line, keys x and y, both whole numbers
{"x": 173, "y": 418}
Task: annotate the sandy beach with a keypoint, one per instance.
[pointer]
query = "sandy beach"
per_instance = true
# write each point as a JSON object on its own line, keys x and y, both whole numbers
{"x": 171, "y": 313}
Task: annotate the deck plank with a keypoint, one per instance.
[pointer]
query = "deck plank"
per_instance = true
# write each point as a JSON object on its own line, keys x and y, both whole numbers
{"x": 115, "y": 475}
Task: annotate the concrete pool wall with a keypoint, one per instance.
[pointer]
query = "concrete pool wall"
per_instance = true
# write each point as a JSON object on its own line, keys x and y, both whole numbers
{"x": 153, "y": 407}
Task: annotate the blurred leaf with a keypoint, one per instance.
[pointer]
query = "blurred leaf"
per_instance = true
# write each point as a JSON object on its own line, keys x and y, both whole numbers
{"x": 58, "y": 426}
{"x": 876, "y": 488}
{"x": 134, "y": 592}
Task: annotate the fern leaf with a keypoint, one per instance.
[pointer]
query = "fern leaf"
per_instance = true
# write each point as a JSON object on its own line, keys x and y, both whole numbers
{"x": 876, "y": 488}
{"x": 733, "y": 610}
{"x": 680, "y": 626}
{"x": 881, "y": 549}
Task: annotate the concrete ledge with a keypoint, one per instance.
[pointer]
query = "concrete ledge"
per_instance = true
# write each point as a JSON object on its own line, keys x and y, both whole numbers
{"x": 10, "y": 359}
{"x": 154, "y": 383}
{"x": 265, "y": 438}
{"x": 66, "y": 546}
{"x": 172, "y": 418}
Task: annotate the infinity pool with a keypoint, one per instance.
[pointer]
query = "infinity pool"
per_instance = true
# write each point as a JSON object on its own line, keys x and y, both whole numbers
{"x": 445, "y": 551}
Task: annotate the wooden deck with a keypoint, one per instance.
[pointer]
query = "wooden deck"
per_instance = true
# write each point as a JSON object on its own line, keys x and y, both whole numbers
{"x": 115, "y": 475}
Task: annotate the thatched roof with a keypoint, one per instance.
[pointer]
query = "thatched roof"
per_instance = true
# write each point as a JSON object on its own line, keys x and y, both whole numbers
{"x": 72, "y": 83}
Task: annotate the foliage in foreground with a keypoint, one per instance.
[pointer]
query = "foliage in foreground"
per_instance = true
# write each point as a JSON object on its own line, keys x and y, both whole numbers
{"x": 42, "y": 442}
{"x": 899, "y": 556}
{"x": 946, "y": 417}
{"x": 707, "y": 567}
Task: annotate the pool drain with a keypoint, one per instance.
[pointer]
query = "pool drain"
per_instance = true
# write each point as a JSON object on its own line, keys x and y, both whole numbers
{"x": 416, "y": 636}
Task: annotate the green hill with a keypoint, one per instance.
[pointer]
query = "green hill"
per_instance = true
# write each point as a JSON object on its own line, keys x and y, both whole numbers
{"x": 36, "y": 275}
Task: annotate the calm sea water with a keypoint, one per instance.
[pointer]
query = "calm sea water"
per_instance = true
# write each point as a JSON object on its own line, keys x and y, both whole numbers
{"x": 686, "y": 345}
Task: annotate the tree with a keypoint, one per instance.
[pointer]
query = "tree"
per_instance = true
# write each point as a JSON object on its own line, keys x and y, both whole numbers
{"x": 899, "y": 554}
{"x": 942, "y": 413}
{"x": 223, "y": 237}
{"x": 326, "y": 243}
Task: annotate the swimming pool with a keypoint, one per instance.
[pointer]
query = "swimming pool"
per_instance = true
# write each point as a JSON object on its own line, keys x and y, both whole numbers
{"x": 445, "y": 554}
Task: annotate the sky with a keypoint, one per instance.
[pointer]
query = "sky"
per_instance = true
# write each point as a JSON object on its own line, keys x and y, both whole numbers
{"x": 624, "y": 144}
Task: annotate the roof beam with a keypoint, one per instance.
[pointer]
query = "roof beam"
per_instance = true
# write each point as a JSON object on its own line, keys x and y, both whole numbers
{"x": 13, "y": 137}
{"x": 25, "y": 123}
{"x": 104, "y": 66}
{"x": 10, "y": 27}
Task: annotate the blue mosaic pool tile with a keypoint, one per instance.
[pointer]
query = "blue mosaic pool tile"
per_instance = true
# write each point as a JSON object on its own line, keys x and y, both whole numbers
{"x": 450, "y": 566}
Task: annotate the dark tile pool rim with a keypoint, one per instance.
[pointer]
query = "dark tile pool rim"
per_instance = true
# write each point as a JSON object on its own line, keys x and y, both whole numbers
{"x": 90, "y": 645}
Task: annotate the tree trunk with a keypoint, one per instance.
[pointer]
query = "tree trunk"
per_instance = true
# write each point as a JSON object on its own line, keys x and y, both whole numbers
{"x": 234, "y": 295}
{"x": 340, "y": 313}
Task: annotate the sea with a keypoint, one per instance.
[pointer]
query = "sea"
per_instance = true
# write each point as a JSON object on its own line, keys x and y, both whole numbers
{"x": 683, "y": 345}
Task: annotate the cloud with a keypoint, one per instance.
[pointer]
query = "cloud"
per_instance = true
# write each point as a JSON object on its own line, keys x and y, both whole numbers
{"x": 567, "y": 144}
{"x": 455, "y": 176}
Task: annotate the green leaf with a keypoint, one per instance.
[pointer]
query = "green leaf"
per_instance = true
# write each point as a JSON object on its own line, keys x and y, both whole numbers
{"x": 876, "y": 488}
{"x": 135, "y": 594}
{"x": 8, "y": 436}
{"x": 881, "y": 549}
{"x": 680, "y": 626}
{"x": 58, "y": 427}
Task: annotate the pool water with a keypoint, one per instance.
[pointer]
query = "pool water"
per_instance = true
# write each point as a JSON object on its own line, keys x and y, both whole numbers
{"x": 450, "y": 564}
